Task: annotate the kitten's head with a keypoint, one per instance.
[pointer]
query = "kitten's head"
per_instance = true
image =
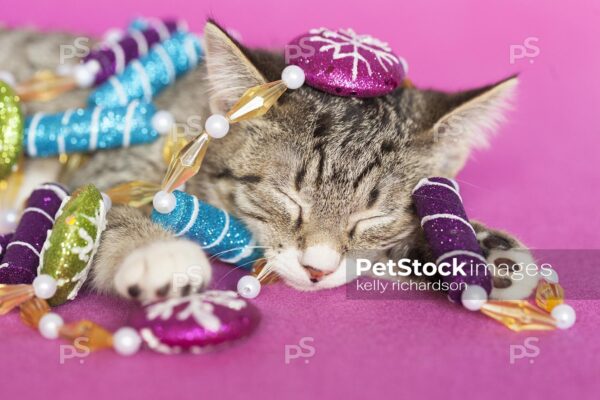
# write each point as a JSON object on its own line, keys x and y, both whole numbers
{"x": 319, "y": 175}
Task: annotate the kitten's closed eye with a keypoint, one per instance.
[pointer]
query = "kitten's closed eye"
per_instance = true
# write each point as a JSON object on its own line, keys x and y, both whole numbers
{"x": 264, "y": 206}
{"x": 364, "y": 223}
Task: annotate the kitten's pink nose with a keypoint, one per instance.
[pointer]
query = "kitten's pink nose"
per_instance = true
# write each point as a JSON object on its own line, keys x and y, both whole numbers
{"x": 315, "y": 274}
{"x": 319, "y": 261}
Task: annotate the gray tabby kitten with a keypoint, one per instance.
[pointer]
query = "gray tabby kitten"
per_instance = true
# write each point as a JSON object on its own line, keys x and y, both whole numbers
{"x": 317, "y": 177}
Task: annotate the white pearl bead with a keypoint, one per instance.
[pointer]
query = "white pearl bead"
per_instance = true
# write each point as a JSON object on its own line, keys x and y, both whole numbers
{"x": 126, "y": 341}
{"x": 49, "y": 325}
{"x": 293, "y": 76}
{"x": 473, "y": 297}
{"x": 84, "y": 77}
{"x": 8, "y": 77}
{"x": 107, "y": 201}
{"x": 217, "y": 126}
{"x": 550, "y": 275}
{"x": 44, "y": 286}
{"x": 248, "y": 287}
{"x": 163, "y": 122}
{"x": 564, "y": 315}
{"x": 164, "y": 202}
{"x": 93, "y": 66}
{"x": 113, "y": 35}
{"x": 8, "y": 220}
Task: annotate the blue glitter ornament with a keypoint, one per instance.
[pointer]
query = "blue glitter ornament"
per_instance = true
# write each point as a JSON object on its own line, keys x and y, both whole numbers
{"x": 146, "y": 77}
{"x": 220, "y": 234}
{"x": 89, "y": 129}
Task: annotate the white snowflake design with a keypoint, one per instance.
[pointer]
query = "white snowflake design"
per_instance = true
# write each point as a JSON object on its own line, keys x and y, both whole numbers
{"x": 338, "y": 40}
{"x": 199, "y": 306}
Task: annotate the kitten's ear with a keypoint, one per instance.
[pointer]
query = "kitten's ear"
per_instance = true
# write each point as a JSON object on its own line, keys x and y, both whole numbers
{"x": 230, "y": 71}
{"x": 463, "y": 121}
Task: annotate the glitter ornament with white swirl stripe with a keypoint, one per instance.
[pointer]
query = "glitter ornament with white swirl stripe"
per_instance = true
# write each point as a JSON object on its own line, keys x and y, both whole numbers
{"x": 113, "y": 56}
{"x": 70, "y": 248}
{"x": 22, "y": 256}
{"x": 220, "y": 234}
{"x": 11, "y": 129}
{"x": 146, "y": 77}
{"x": 89, "y": 129}
{"x": 108, "y": 58}
{"x": 449, "y": 233}
{"x": 5, "y": 239}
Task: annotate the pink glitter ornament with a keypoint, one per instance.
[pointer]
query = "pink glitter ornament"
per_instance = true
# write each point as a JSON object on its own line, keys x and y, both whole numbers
{"x": 344, "y": 63}
{"x": 195, "y": 323}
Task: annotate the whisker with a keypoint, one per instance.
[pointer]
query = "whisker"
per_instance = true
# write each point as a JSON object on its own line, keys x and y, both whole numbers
{"x": 227, "y": 274}
{"x": 238, "y": 248}
{"x": 461, "y": 181}
{"x": 241, "y": 266}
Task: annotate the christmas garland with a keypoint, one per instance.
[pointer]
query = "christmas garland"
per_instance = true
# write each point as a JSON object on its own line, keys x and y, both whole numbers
{"x": 40, "y": 270}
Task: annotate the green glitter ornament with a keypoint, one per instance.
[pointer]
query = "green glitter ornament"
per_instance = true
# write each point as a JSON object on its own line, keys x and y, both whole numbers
{"x": 68, "y": 252}
{"x": 11, "y": 130}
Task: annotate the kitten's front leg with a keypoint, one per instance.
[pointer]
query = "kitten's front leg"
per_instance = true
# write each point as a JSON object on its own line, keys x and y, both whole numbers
{"x": 140, "y": 260}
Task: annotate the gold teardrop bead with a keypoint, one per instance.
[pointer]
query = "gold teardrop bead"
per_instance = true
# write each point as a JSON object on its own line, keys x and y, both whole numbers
{"x": 33, "y": 310}
{"x": 134, "y": 194}
{"x": 186, "y": 163}
{"x": 88, "y": 333}
{"x": 519, "y": 315}
{"x": 256, "y": 101}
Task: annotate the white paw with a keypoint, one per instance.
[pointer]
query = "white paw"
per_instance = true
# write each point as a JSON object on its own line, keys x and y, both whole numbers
{"x": 163, "y": 269}
{"x": 515, "y": 273}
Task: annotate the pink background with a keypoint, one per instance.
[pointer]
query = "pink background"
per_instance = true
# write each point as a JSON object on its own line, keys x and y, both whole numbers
{"x": 539, "y": 180}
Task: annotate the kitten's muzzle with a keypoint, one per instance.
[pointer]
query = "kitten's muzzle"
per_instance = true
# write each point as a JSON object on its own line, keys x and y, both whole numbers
{"x": 320, "y": 261}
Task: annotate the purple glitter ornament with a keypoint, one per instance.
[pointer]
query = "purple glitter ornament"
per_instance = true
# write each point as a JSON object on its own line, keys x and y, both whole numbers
{"x": 4, "y": 240}
{"x": 196, "y": 323}
{"x": 449, "y": 233}
{"x": 22, "y": 255}
{"x": 346, "y": 64}
{"x": 113, "y": 57}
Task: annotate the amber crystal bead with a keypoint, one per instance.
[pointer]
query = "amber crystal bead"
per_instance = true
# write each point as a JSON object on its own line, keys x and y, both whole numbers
{"x": 265, "y": 277}
{"x": 134, "y": 194}
{"x": 12, "y": 296}
{"x": 91, "y": 335}
{"x": 549, "y": 295}
{"x": 256, "y": 101}
{"x": 519, "y": 315}
{"x": 186, "y": 163}
{"x": 33, "y": 310}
